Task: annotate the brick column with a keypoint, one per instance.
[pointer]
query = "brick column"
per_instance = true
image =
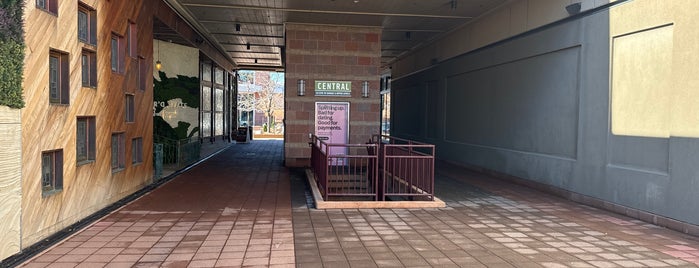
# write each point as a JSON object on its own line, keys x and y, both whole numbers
{"x": 334, "y": 53}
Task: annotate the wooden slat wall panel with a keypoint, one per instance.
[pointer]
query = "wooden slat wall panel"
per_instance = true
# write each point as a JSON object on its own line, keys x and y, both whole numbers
{"x": 10, "y": 181}
{"x": 90, "y": 187}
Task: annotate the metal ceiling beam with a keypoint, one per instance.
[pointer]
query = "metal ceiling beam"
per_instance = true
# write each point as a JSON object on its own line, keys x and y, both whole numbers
{"x": 252, "y": 52}
{"x": 252, "y": 45}
{"x": 250, "y": 35}
{"x": 413, "y": 30}
{"x": 241, "y": 22}
{"x": 434, "y": 16}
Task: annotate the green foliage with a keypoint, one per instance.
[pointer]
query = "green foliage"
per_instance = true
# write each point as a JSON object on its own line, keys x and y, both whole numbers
{"x": 11, "y": 68}
{"x": 183, "y": 87}
{"x": 11, "y": 53}
{"x": 11, "y": 20}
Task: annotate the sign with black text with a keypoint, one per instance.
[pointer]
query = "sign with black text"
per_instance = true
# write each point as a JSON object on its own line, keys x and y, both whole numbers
{"x": 332, "y": 126}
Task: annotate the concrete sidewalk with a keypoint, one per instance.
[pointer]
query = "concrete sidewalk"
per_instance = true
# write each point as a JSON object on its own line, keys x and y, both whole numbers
{"x": 242, "y": 208}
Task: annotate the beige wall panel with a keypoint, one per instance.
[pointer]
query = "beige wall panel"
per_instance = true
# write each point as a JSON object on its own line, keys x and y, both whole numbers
{"x": 682, "y": 96}
{"x": 514, "y": 18}
{"x": 541, "y": 12}
{"x": 518, "y": 17}
{"x": 452, "y": 44}
{"x": 171, "y": 57}
{"x": 491, "y": 28}
{"x": 641, "y": 83}
{"x": 10, "y": 182}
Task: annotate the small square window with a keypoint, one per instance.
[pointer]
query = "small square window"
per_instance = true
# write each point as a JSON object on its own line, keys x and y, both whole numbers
{"x": 118, "y": 152}
{"x": 85, "y": 140}
{"x": 88, "y": 61}
{"x": 87, "y": 24}
{"x": 51, "y": 172}
{"x": 117, "y": 57}
{"x": 50, "y": 6}
{"x": 58, "y": 78}
{"x": 137, "y": 150}
{"x": 132, "y": 38}
{"x": 130, "y": 108}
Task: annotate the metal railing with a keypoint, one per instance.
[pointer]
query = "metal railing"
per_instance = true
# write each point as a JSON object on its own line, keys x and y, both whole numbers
{"x": 391, "y": 169}
{"x": 344, "y": 170}
{"x": 407, "y": 168}
{"x": 178, "y": 152}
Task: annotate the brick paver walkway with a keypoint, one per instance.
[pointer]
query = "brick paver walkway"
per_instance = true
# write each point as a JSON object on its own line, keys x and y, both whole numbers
{"x": 236, "y": 209}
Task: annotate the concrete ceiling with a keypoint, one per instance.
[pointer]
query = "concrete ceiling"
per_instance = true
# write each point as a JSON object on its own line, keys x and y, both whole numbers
{"x": 251, "y": 32}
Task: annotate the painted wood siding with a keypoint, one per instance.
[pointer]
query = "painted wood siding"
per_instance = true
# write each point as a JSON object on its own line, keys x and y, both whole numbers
{"x": 88, "y": 187}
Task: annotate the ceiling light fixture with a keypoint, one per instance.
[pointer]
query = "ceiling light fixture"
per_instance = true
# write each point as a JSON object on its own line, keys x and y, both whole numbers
{"x": 158, "y": 64}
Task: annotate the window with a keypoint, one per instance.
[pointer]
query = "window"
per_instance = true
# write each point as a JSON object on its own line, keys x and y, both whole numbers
{"x": 88, "y": 61}
{"x": 51, "y": 172}
{"x": 132, "y": 38}
{"x": 85, "y": 140}
{"x": 129, "y": 108}
{"x": 58, "y": 77}
{"x": 117, "y": 54}
{"x": 118, "y": 154}
{"x": 136, "y": 150}
{"x": 87, "y": 24}
{"x": 50, "y": 6}
{"x": 143, "y": 74}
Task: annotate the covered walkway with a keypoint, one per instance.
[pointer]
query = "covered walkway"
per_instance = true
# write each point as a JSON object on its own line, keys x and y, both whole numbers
{"x": 242, "y": 208}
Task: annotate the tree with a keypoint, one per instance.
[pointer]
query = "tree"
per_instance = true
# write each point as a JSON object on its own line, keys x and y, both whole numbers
{"x": 269, "y": 98}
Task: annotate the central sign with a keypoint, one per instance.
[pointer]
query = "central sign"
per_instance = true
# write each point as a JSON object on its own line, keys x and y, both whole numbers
{"x": 333, "y": 88}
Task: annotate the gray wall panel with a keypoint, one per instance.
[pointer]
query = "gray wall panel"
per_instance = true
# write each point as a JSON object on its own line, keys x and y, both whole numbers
{"x": 537, "y": 107}
{"x": 517, "y": 106}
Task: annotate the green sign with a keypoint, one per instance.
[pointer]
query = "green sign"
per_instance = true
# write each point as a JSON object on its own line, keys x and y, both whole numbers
{"x": 333, "y": 88}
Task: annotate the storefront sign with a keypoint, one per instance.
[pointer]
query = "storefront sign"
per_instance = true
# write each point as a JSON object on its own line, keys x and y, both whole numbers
{"x": 332, "y": 126}
{"x": 333, "y": 88}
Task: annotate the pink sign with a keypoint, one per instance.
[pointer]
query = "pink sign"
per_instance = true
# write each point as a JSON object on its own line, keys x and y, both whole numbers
{"x": 332, "y": 125}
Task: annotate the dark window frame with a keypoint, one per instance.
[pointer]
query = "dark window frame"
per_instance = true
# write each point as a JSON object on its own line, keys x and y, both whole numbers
{"x": 89, "y": 140}
{"x": 117, "y": 49}
{"x": 54, "y": 183}
{"x": 60, "y": 77}
{"x": 132, "y": 40}
{"x": 90, "y": 69}
{"x": 118, "y": 157}
{"x": 143, "y": 74}
{"x": 130, "y": 101}
{"x": 137, "y": 150}
{"x": 90, "y": 36}
{"x": 50, "y": 6}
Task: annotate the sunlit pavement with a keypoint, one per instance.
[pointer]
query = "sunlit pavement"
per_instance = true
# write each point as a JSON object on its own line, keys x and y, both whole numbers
{"x": 243, "y": 208}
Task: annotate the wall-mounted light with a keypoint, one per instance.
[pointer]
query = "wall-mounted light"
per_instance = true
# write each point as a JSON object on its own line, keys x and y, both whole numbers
{"x": 301, "y": 87}
{"x": 573, "y": 9}
{"x": 237, "y": 27}
{"x": 365, "y": 89}
{"x": 158, "y": 64}
{"x": 247, "y": 45}
{"x": 255, "y": 60}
